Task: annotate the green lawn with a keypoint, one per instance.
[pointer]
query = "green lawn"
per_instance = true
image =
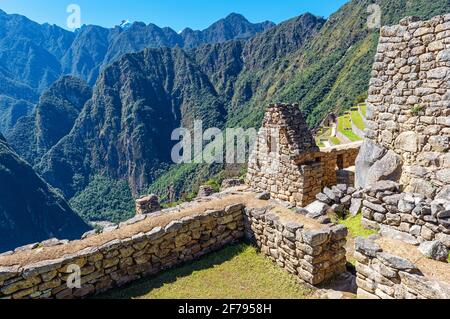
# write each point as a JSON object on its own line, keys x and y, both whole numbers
{"x": 345, "y": 127}
{"x": 355, "y": 228}
{"x": 364, "y": 109}
{"x": 236, "y": 272}
{"x": 358, "y": 120}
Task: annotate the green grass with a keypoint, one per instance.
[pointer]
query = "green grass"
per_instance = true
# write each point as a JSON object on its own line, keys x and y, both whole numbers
{"x": 358, "y": 120}
{"x": 345, "y": 127}
{"x": 334, "y": 140}
{"x": 236, "y": 272}
{"x": 355, "y": 228}
{"x": 364, "y": 109}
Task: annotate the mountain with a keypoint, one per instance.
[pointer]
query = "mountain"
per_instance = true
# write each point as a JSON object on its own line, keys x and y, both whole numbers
{"x": 30, "y": 210}
{"x": 124, "y": 131}
{"x": 333, "y": 69}
{"x": 233, "y": 27}
{"x": 34, "y": 56}
{"x": 54, "y": 117}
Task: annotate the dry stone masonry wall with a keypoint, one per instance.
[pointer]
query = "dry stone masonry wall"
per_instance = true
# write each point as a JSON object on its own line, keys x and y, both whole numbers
{"x": 413, "y": 218}
{"x": 408, "y": 118}
{"x": 286, "y": 161}
{"x": 122, "y": 261}
{"x": 381, "y": 275}
{"x": 314, "y": 256}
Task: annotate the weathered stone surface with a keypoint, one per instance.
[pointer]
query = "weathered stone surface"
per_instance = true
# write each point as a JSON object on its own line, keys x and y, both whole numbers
{"x": 434, "y": 250}
{"x": 389, "y": 232}
{"x": 387, "y": 168}
{"x": 263, "y": 196}
{"x": 367, "y": 247}
{"x": 317, "y": 209}
{"x": 316, "y": 238}
{"x": 369, "y": 154}
{"x": 355, "y": 207}
{"x": 408, "y": 142}
{"x": 396, "y": 262}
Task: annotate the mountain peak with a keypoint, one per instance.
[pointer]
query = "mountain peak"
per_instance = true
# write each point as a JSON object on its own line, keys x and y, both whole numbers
{"x": 236, "y": 16}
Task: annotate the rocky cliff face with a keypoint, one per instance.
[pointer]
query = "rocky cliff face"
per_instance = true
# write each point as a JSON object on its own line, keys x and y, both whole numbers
{"x": 54, "y": 117}
{"x": 30, "y": 210}
{"x": 33, "y": 56}
{"x": 125, "y": 130}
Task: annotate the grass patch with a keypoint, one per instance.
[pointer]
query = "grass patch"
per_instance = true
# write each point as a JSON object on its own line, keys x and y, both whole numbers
{"x": 334, "y": 140}
{"x": 236, "y": 272}
{"x": 345, "y": 127}
{"x": 358, "y": 120}
{"x": 355, "y": 227}
{"x": 364, "y": 109}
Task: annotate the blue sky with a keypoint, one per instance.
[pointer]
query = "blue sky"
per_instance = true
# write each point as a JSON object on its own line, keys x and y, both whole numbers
{"x": 177, "y": 14}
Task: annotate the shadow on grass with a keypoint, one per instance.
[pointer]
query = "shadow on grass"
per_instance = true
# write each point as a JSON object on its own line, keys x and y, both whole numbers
{"x": 144, "y": 286}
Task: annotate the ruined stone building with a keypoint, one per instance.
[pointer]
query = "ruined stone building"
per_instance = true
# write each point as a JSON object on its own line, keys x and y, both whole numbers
{"x": 408, "y": 127}
{"x": 287, "y": 163}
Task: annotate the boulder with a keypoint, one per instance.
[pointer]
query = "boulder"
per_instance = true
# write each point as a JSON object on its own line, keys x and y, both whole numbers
{"x": 388, "y": 168}
{"x": 444, "y": 193}
{"x": 231, "y": 182}
{"x": 434, "y": 250}
{"x": 396, "y": 262}
{"x": 205, "y": 191}
{"x": 369, "y": 153}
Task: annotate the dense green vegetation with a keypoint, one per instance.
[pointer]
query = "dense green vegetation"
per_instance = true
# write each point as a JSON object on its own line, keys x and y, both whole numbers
{"x": 224, "y": 274}
{"x": 124, "y": 131}
{"x": 30, "y": 210}
{"x": 105, "y": 199}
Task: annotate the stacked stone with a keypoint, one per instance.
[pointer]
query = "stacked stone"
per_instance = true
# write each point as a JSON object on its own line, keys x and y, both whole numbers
{"x": 347, "y": 155}
{"x": 147, "y": 205}
{"x": 381, "y": 275}
{"x": 410, "y": 217}
{"x": 284, "y": 161}
{"x": 122, "y": 261}
{"x": 314, "y": 256}
{"x": 340, "y": 199}
{"x": 408, "y": 113}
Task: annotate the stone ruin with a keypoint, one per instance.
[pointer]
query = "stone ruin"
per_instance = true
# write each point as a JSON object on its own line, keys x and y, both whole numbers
{"x": 147, "y": 205}
{"x": 408, "y": 127}
{"x": 287, "y": 163}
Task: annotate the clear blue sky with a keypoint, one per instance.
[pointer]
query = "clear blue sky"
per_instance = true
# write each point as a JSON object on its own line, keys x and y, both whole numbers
{"x": 177, "y": 14}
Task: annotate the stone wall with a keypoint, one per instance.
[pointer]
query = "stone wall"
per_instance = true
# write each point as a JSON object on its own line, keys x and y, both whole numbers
{"x": 337, "y": 158}
{"x": 408, "y": 116}
{"x": 314, "y": 256}
{"x": 286, "y": 161}
{"x": 122, "y": 261}
{"x": 381, "y": 275}
{"x": 283, "y": 161}
{"x": 413, "y": 218}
